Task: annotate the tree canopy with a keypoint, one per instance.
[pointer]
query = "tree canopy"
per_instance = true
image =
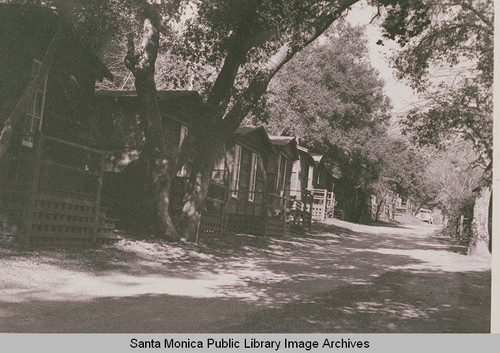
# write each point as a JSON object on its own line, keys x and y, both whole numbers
{"x": 447, "y": 57}
{"x": 332, "y": 98}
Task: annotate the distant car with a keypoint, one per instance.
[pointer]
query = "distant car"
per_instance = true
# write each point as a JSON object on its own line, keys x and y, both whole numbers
{"x": 425, "y": 215}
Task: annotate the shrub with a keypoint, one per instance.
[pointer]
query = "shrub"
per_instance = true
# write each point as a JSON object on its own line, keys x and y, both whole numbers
{"x": 457, "y": 208}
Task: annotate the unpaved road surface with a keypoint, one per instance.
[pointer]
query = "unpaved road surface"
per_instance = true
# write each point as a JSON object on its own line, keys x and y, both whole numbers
{"x": 342, "y": 278}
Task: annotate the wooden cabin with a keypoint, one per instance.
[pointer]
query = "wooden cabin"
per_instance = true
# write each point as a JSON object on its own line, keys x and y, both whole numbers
{"x": 323, "y": 183}
{"x": 279, "y": 166}
{"x": 256, "y": 176}
{"x": 302, "y": 173}
{"x": 250, "y": 186}
{"x": 50, "y": 187}
{"x": 293, "y": 163}
{"x": 385, "y": 207}
{"x": 289, "y": 172}
{"x": 238, "y": 196}
{"x": 125, "y": 185}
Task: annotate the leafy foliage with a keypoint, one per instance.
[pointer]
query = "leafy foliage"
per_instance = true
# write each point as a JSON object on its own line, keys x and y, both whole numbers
{"x": 455, "y": 182}
{"x": 329, "y": 88}
{"x": 447, "y": 57}
{"x": 331, "y": 97}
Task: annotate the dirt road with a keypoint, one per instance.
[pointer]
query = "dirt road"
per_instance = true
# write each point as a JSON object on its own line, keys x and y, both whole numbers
{"x": 342, "y": 278}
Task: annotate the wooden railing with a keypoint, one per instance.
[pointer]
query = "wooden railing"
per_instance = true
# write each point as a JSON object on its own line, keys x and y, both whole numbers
{"x": 300, "y": 211}
{"x": 60, "y": 192}
{"x": 268, "y": 214}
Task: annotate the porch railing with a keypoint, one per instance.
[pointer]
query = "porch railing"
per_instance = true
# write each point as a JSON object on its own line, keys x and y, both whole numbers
{"x": 60, "y": 192}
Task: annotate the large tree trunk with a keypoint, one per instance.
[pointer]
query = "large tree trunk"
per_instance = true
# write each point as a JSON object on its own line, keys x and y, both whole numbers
{"x": 379, "y": 208}
{"x": 219, "y": 126}
{"x": 194, "y": 198}
{"x": 159, "y": 160}
{"x": 209, "y": 147}
{"x": 479, "y": 243}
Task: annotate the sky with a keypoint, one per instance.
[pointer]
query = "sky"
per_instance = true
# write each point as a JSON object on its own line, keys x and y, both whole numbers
{"x": 401, "y": 95}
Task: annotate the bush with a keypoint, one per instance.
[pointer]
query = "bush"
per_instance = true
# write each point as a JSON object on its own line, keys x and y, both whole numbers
{"x": 457, "y": 208}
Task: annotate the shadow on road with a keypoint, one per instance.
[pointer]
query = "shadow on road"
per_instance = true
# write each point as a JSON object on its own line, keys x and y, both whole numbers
{"x": 394, "y": 302}
{"x": 340, "y": 278}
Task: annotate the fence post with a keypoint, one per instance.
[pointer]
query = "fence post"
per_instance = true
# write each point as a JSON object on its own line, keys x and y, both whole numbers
{"x": 461, "y": 227}
{"x": 32, "y": 190}
{"x": 98, "y": 198}
{"x": 265, "y": 208}
{"x": 284, "y": 216}
{"x": 325, "y": 200}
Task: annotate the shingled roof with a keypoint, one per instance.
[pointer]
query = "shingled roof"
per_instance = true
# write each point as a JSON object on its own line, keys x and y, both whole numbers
{"x": 281, "y": 140}
{"x": 250, "y": 129}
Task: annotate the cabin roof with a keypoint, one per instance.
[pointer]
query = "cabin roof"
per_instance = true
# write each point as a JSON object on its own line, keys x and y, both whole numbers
{"x": 317, "y": 157}
{"x": 281, "y": 140}
{"x": 286, "y": 141}
{"x": 181, "y": 106}
{"x": 247, "y": 129}
{"x": 302, "y": 148}
{"x": 260, "y": 130}
{"x": 302, "y": 151}
{"x": 22, "y": 15}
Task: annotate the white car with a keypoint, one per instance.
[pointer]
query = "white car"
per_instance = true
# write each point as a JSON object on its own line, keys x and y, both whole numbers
{"x": 425, "y": 215}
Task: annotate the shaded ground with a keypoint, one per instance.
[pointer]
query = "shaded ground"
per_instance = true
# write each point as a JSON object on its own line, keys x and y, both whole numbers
{"x": 342, "y": 278}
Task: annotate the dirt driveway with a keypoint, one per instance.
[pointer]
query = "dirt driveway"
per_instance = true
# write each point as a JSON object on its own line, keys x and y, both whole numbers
{"x": 342, "y": 278}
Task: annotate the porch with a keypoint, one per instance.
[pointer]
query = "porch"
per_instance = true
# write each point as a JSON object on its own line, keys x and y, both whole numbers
{"x": 52, "y": 193}
{"x": 323, "y": 204}
{"x": 274, "y": 215}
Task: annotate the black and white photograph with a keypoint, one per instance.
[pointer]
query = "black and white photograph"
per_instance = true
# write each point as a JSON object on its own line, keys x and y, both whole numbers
{"x": 246, "y": 166}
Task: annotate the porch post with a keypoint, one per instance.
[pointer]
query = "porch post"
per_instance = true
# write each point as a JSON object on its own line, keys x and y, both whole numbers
{"x": 98, "y": 198}
{"x": 32, "y": 191}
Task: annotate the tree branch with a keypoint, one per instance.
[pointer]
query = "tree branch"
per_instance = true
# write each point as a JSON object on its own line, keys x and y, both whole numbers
{"x": 258, "y": 85}
{"x": 220, "y": 94}
{"x": 478, "y": 14}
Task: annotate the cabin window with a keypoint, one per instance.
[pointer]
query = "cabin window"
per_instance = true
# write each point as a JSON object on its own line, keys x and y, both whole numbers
{"x": 218, "y": 173}
{"x": 34, "y": 112}
{"x": 282, "y": 166}
{"x": 296, "y": 176}
{"x": 183, "y": 133}
{"x": 235, "y": 182}
{"x": 253, "y": 177}
{"x": 310, "y": 178}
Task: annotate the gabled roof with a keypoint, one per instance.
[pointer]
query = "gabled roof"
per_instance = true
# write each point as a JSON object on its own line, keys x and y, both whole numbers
{"x": 181, "y": 106}
{"x": 317, "y": 157}
{"x": 302, "y": 148}
{"x": 250, "y": 129}
{"x": 304, "y": 152}
{"x": 247, "y": 129}
{"x": 282, "y": 141}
